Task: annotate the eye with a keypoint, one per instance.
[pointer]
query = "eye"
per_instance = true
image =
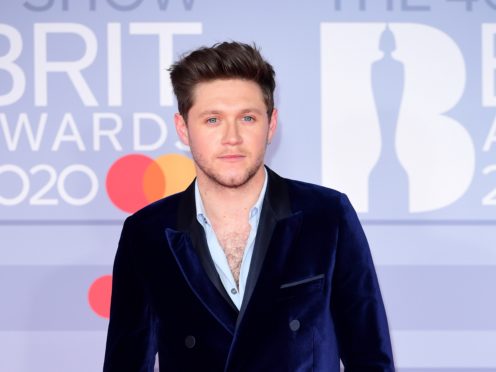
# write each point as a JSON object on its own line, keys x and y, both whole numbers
{"x": 212, "y": 121}
{"x": 248, "y": 118}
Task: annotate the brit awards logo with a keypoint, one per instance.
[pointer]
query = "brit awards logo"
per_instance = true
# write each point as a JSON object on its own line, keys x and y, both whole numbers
{"x": 388, "y": 138}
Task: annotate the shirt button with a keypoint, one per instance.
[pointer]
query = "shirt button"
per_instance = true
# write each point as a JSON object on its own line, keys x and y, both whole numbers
{"x": 294, "y": 325}
{"x": 190, "y": 342}
{"x": 234, "y": 291}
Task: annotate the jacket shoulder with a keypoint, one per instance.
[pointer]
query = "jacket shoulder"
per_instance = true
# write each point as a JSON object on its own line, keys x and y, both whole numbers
{"x": 310, "y": 195}
{"x": 312, "y": 188}
{"x": 164, "y": 210}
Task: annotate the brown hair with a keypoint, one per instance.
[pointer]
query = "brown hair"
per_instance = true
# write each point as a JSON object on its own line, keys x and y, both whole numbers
{"x": 227, "y": 60}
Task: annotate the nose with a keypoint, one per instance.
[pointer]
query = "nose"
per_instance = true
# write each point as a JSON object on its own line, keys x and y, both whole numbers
{"x": 232, "y": 135}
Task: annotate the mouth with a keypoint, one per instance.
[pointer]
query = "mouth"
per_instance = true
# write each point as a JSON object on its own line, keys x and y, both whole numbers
{"x": 231, "y": 157}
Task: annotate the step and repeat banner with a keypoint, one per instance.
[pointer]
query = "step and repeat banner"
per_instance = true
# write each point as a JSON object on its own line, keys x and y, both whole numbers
{"x": 390, "y": 101}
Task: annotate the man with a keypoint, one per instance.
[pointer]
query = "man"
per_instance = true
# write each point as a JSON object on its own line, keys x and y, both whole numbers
{"x": 245, "y": 270}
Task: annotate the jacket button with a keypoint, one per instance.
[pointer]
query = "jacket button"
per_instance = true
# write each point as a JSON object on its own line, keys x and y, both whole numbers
{"x": 294, "y": 325}
{"x": 190, "y": 342}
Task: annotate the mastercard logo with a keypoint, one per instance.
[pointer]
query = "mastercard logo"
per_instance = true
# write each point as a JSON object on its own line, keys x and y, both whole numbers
{"x": 135, "y": 181}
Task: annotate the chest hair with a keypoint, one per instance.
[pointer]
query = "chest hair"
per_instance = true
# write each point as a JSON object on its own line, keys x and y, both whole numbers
{"x": 233, "y": 238}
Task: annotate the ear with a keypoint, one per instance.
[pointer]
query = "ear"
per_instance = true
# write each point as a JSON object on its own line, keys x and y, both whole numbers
{"x": 181, "y": 128}
{"x": 272, "y": 125}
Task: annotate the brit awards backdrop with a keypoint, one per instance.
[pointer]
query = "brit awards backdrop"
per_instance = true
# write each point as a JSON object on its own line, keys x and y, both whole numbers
{"x": 390, "y": 101}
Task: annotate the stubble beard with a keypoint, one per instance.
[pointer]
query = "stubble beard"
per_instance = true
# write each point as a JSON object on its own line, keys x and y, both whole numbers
{"x": 231, "y": 182}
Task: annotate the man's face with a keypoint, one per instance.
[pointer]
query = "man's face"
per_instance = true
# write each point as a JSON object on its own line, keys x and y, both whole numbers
{"x": 228, "y": 130}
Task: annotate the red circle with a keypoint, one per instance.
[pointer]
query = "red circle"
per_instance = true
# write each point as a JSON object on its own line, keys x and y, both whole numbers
{"x": 99, "y": 295}
{"x": 125, "y": 179}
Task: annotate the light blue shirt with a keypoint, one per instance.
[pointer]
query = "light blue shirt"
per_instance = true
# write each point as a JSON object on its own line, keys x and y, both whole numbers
{"x": 217, "y": 253}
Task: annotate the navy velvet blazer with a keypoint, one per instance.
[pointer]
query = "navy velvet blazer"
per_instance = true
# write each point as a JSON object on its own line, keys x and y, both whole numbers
{"x": 312, "y": 295}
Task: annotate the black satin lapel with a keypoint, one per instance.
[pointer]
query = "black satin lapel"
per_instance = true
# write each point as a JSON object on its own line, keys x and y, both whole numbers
{"x": 187, "y": 222}
{"x": 193, "y": 271}
{"x": 264, "y": 234}
{"x": 276, "y": 207}
{"x": 200, "y": 244}
{"x": 285, "y": 233}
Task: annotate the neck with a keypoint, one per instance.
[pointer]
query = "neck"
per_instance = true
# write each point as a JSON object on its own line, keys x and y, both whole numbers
{"x": 221, "y": 202}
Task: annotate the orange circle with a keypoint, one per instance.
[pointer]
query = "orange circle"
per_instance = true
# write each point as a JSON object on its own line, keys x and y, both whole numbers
{"x": 99, "y": 295}
{"x": 179, "y": 171}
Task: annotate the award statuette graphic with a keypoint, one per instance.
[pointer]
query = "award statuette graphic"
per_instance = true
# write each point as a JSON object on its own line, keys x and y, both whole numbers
{"x": 388, "y": 180}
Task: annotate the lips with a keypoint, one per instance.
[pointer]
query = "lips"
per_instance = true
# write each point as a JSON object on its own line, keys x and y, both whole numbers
{"x": 231, "y": 157}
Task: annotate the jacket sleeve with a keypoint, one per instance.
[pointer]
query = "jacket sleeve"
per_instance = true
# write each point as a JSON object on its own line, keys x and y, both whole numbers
{"x": 130, "y": 338}
{"x": 358, "y": 309}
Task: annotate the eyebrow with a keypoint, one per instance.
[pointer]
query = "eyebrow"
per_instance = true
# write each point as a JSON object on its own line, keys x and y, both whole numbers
{"x": 254, "y": 110}
{"x": 209, "y": 112}
{"x": 244, "y": 111}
